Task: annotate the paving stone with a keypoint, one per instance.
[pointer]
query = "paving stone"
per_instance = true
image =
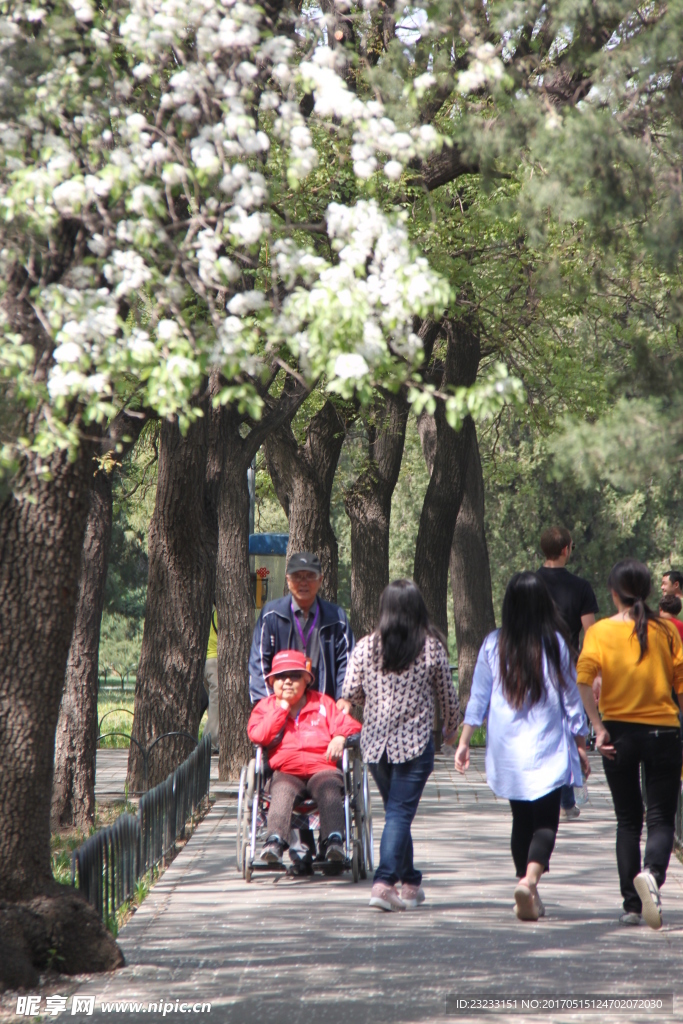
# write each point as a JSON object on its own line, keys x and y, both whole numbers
{"x": 303, "y": 950}
{"x": 112, "y": 766}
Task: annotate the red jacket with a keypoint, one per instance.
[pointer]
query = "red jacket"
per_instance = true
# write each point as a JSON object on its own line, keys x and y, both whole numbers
{"x": 301, "y": 751}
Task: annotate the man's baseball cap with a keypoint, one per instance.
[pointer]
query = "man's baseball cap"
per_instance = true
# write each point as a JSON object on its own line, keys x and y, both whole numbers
{"x": 305, "y": 561}
{"x": 285, "y": 662}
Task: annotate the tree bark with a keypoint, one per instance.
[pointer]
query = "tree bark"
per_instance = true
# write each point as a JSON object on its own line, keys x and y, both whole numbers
{"x": 471, "y": 574}
{"x": 446, "y": 451}
{"x": 42, "y": 522}
{"x": 368, "y": 506}
{"x": 73, "y": 787}
{"x": 303, "y": 476}
{"x": 234, "y": 597}
{"x": 182, "y": 561}
{"x": 41, "y": 535}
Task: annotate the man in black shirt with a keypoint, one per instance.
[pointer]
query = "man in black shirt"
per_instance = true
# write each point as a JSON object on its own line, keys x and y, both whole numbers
{"x": 575, "y": 601}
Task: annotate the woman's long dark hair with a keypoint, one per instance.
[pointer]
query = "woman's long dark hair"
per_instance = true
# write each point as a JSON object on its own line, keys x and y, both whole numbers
{"x": 631, "y": 582}
{"x": 530, "y": 626}
{"x": 404, "y": 624}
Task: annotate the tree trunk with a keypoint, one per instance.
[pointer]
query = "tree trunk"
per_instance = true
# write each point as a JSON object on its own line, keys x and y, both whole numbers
{"x": 471, "y": 574}
{"x": 303, "y": 476}
{"x": 368, "y": 506}
{"x": 182, "y": 560}
{"x": 234, "y": 596}
{"x": 73, "y": 788}
{"x": 42, "y": 523}
{"x": 41, "y": 534}
{"x": 234, "y": 600}
{"x": 447, "y": 454}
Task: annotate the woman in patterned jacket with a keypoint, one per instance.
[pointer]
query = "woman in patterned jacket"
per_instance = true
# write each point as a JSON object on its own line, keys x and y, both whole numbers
{"x": 397, "y": 673}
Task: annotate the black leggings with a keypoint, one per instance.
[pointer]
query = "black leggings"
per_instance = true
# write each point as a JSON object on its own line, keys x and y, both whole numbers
{"x": 534, "y": 827}
{"x": 658, "y": 748}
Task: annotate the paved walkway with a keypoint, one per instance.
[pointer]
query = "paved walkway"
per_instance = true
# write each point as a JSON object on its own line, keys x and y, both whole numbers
{"x": 302, "y": 951}
{"x": 110, "y": 776}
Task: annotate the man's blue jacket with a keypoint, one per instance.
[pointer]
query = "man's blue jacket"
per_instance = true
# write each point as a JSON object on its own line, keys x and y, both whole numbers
{"x": 274, "y": 632}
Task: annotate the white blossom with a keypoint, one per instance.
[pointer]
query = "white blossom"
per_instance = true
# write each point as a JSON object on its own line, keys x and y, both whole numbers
{"x": 350, "y": 365}
{"x": 167, "y": 330}
{"x": 68, "y": 352}
{"x": 70, "y": 196}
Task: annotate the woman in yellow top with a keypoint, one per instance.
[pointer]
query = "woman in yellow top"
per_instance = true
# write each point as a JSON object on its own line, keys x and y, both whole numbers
{"x": 640, "y": 658}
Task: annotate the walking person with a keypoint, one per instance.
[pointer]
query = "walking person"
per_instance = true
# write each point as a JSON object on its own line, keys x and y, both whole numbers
{"x": 525, "y": 682}
{"x": 397, "y": 673}
{"x": 575, "y": 601}
{"x": 640, "y": 657}
{"x": 210, "y": 692}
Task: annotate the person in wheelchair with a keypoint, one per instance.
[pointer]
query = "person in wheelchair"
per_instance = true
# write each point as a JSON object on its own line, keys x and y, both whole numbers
{"x": 304, "y": 735}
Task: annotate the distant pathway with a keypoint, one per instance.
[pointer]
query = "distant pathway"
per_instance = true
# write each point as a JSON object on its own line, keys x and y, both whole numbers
{"x": 309, "y": 951}
{"x": 110, "y": 776}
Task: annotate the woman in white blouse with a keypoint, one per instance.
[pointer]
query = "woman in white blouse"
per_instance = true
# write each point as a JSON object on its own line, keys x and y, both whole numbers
{"x": 525, "y": 681}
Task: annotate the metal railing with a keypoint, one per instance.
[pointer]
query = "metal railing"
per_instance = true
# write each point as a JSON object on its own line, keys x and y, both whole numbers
{"x": 107, "y": 866}
{"x": 144, "y": 751}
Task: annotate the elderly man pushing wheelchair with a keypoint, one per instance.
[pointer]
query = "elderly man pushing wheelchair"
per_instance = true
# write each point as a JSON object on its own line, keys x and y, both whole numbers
{"x": 302, "y": 621}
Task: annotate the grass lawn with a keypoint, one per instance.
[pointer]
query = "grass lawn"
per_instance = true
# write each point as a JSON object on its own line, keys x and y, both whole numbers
{"x": 109, "y": 701}
{"x": 115, "y": 704}
{"x": 66, "y": 840}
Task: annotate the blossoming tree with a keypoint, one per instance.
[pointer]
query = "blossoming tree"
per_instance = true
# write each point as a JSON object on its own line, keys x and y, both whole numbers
{"x": 149, "y": 152}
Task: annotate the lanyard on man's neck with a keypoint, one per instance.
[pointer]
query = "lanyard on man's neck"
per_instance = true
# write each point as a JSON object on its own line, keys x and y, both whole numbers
{"x": 305, "y": 638}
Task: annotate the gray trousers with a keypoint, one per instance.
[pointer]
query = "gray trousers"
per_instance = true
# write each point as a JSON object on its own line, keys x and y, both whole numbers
{"x": 326, "y": 788}
{"x": 211, "y": 687}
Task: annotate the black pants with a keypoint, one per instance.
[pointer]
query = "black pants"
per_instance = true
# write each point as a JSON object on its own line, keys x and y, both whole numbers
{"x": 534, "y": 827}
{"x": 659, "y": 750}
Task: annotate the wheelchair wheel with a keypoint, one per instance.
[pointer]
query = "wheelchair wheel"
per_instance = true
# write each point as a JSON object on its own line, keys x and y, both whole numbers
{"x": 357, "y": 806}
{"x": 246, "y": 819}
{"x": 240, "y": 807}
{"x": 368, "y": 836}
{"x": 355, "y": 861}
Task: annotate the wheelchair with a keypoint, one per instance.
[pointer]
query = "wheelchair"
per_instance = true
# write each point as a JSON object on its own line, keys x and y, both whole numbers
{"x": 253, "y": 802}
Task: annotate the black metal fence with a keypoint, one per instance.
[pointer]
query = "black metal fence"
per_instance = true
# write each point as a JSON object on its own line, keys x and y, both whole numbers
{"x": 107, "y": 866}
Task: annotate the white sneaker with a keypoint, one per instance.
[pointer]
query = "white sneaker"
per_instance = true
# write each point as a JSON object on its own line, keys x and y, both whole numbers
{"x": 385, "y": 897}
{"x": 648, "y": 890}
{"x": 412, "y": 896}
{"x": 630, "y": 917}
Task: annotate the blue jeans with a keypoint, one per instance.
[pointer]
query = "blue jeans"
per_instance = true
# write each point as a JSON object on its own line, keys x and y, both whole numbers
{"x": 400, "y": 786}
{"x": 567, "y": 799}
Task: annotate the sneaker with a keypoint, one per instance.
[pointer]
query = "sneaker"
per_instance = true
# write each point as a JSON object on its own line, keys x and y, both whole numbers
{"x": 273, "y": 850}
{"x": 385, "y": 897}
{"x": 334, "y": 848}
{"x": 540, "y": 905}
{"x": 526, "y": 905}
{"x": 630, "y": 917}
{"x": 569, "y": 813}
{"x": 648, "y": 890}
{"x": 412, "y": 895}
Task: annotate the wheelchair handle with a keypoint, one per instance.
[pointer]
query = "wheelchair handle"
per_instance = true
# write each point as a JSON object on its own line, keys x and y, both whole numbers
{"x": 353, "y": 742}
